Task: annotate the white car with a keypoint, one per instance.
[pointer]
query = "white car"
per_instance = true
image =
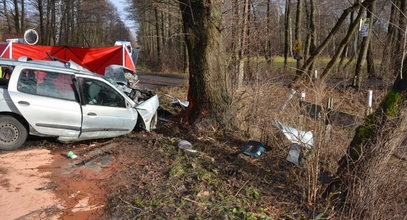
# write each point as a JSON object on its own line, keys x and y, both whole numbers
{"x": 64, "y": 100}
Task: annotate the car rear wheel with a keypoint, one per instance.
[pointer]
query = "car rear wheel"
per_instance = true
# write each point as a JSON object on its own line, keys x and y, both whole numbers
{"x": 12, "y": 133}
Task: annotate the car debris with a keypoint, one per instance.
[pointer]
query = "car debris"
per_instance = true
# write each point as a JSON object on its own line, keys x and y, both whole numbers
{"x": 251, "y": 148}
{"x": 66, "y": 101}
{"x": 178, "y": 102}
{"x": 294, "y": 154}
{"x": 295, "y": 136}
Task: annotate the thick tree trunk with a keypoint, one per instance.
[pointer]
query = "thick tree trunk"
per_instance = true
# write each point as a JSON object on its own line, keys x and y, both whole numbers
{"x": 401, "y": 38}
{"x": 384, "y": 132}
{"x": 208, "y": 91}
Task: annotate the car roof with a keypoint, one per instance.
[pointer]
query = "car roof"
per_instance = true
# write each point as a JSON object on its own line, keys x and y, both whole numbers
{"x": 69, "y": 66}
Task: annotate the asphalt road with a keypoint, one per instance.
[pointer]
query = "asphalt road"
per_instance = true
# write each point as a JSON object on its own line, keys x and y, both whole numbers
{"x": 157, "y": 80}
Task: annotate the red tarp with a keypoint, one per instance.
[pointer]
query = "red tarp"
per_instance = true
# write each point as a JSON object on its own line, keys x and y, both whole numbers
{"x": 93, "y": 59}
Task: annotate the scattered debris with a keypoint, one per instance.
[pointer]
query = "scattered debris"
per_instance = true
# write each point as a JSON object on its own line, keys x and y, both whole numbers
{"x": 71, "y": 155}
{"x": 297, "y": 136}
{"x": 47, "y": 187}
{"x": 294, "y": 154}
{"x": 252, "y": 148}
{"x": 178, "y": 102}
{"x": 187, "y": 147}
{"x": 183, "y": 144}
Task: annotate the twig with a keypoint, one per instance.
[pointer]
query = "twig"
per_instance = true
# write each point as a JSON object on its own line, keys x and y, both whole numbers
{"x": 241, "y": 188}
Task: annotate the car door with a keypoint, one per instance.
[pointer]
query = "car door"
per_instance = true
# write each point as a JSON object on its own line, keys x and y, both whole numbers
{"x": 106, "y": 112}
{"x": 48, "y": 101}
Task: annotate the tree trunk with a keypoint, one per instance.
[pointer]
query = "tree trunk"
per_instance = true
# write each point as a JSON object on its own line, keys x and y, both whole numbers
{"x": 208, "y": 91}
{"x": 243, "y": 43}
{"x": 364, "y": 46}
{"x": 401, "y": 38}
{"x": 391, "y": 41}
{"x": 22, "y": 15}
{"x": 351, "y": 31}
{"x": 287, "y": 31}
{"x": 371, "y": 70}
{"x": 7, "y": 14}
{"x": 384, "y": 131}
{"x": 269, "y": 34}
{"x": 41, "y": 15}
{"x": 16, "y": 17}
{"x": 325, "y": 43}
{"x": 157, "y": 36}
{"x": 298, "y": 20}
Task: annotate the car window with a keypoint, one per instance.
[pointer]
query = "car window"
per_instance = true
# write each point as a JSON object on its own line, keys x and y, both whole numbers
{"x": 99, "y": 93}
{"x": 44, "y": 83}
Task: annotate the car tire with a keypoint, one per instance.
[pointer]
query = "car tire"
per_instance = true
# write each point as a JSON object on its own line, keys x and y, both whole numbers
{"x": 12, "y": 133}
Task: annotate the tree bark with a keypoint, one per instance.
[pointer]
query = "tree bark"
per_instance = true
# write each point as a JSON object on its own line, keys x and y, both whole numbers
{"x": 243, "y": 43}
{"x": 7, "y": 14}
{"x": 383, "y": 131}
{"x": 208, "y": 91}
{"x": 390, "y": 39}
{"x": 364, "y": 46}
{"x": 298, "y": 20}
{"x": 287, "y": 31}
{"x": 157, "y": 36}
{"x": 16, "y": 17}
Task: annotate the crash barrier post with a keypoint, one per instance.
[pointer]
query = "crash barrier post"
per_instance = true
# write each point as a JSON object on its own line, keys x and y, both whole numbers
{"x": 289, "y": 97}
{"x": 369, "y": 101}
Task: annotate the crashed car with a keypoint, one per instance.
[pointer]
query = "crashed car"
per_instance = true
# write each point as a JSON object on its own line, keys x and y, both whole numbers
{"x": 66, "y": 101}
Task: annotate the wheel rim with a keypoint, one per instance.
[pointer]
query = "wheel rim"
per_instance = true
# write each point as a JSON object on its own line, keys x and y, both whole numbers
{"x": 9, "y": 133}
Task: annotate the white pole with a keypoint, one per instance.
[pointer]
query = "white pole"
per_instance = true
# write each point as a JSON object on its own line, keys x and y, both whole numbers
{"x": 369, "y": 98}
{"x": 369, "y": 101}
{"x": 316, "y": 74}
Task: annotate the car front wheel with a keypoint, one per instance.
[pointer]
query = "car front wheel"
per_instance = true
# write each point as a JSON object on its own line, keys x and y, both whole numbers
{"x": 12, "y": 133}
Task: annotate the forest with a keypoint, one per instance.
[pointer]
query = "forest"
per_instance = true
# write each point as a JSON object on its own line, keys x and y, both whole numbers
{"x": 246, "y": 62}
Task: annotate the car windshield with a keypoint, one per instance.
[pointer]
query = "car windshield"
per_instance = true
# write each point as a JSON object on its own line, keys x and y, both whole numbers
{"x": 116, "y": 73}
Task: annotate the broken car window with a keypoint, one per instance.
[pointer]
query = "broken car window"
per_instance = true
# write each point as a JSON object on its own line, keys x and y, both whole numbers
{"x": 99, "y": 93}
{"x": 50, "y": 84}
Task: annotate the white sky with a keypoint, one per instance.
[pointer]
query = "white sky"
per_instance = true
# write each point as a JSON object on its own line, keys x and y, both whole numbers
{"x": 121, "y": 5}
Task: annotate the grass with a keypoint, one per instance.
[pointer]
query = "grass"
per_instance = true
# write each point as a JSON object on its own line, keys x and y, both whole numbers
{"x": 164, "y": 183}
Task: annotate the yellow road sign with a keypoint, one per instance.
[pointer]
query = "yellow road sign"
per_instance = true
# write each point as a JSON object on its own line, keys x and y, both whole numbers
{"x": 297, "y": 45}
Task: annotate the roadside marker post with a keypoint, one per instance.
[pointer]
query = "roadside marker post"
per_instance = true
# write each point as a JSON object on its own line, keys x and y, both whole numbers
{"x": 369, "y": 101}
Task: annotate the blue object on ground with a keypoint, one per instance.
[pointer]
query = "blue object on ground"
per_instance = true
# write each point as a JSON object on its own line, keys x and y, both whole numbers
{"x": 253, "y": 148}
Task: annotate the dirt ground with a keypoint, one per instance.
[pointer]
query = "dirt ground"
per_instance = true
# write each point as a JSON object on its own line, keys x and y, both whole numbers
{"x": 41, "y": 182}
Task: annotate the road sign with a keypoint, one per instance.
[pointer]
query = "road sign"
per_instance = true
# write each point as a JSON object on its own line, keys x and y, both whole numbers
{"x": 297, "y": 45}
